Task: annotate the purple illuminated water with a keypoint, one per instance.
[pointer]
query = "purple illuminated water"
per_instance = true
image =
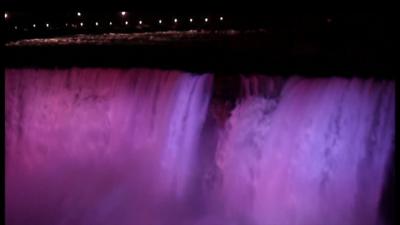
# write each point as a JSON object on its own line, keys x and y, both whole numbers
{"x": 315, "y": 154}
{"x": 108, "y": 146}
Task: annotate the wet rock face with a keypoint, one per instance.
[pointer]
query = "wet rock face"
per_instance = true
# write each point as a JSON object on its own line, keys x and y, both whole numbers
{"x": 120, "y": 146}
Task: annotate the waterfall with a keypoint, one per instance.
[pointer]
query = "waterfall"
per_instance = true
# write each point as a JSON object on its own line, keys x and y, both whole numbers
{"x": 314, "y": 154}
{"x": 94, "y": 146}
{"x": 145, "y": 146}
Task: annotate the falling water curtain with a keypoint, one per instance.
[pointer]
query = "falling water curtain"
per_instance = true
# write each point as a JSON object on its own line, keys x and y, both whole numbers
{"x": 143, "y": 146}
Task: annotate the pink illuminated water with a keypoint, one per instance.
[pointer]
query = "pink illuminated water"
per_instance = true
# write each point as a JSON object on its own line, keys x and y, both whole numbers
{"x": 110, "y": 146}
{"x": 315, "y": 154}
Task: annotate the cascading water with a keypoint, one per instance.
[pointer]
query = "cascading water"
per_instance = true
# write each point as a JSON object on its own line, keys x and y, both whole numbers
{"x": 87, "y": 146}
{"x": 107, "y": 146}
{"x": 315, "y": 154}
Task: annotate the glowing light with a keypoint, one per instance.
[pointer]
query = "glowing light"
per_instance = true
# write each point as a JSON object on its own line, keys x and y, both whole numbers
{"x": 47, "y": 25}
{"x": 206, "y": 19}
{"x": 5, "y": 15}
{"x": 110, "y": 23}
{"x": 78, "y": 14}
{"x": 175, "y": 20}
{"x": 140, "y": 22}
{"x": 221, "y": 18}
{"x": 97, "y": 24}
{"x": 159, "y": 21}
{"x": 191, "y": 20}
{"x": 81, "y": 24}
{"x": 126, "y": 22}
{"x": 34, "y": 25}
{"x": 66, "y": 24}
{"x": 123, "y": 13}
{"x": 16, "y": 28}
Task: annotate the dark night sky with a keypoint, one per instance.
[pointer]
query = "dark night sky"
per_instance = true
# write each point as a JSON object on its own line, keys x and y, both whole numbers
{"x": 115, "y": 4}
{"x": 365, "y": 37}
{"x": 243, "y": 8}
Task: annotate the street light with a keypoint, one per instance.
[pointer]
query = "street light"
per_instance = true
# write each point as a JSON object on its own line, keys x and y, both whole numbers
{"x": 123, "y": 13}
{"x": 78, "y": 14}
